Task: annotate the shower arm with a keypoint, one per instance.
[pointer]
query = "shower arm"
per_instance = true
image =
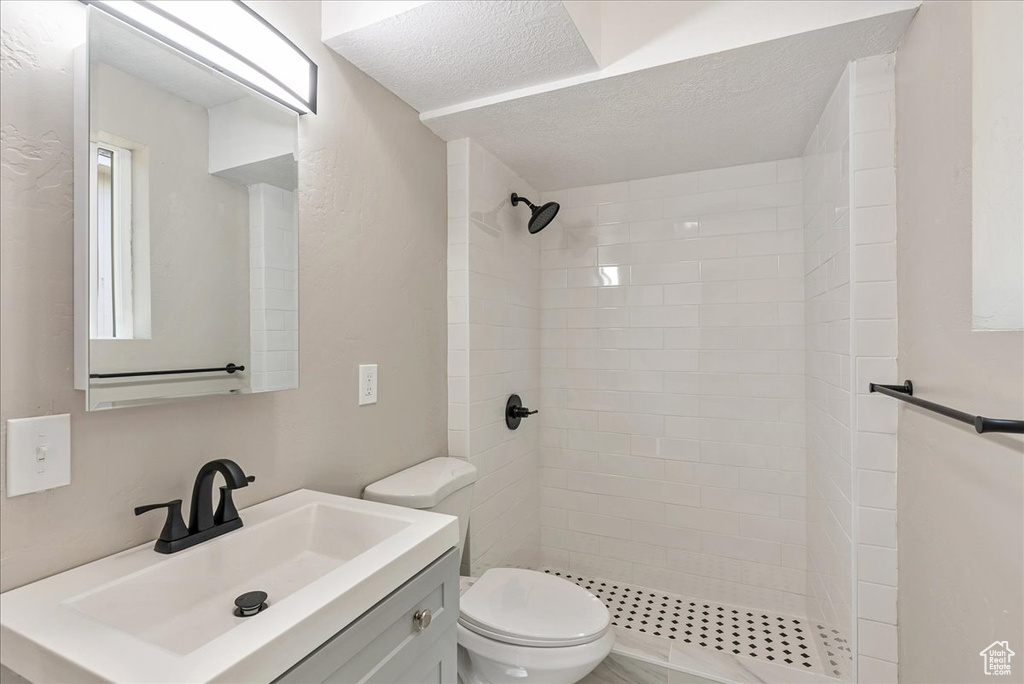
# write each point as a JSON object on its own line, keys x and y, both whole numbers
{"x": 516, "y": 199}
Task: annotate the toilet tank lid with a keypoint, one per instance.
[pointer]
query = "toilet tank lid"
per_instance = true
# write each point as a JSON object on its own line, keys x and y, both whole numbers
{"x": 424, "y": 485}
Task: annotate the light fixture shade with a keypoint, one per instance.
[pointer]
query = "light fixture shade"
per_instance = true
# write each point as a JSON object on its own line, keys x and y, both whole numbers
{"x": 229, "y": 37}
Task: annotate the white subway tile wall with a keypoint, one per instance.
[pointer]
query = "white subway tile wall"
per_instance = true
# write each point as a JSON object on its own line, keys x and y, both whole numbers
{"x": 672, "y": 407}
{"x": 827, "y": 379}
{"x": 700, "y": 347}
{"x": 873, "y": 300}
{"x": 851, "y": 341}
{"x": 273, "y": 289}
{"x": 494, "y": 332}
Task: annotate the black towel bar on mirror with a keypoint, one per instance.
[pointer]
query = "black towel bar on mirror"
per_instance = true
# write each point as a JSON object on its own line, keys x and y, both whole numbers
{"x": 905, "y": 392}
{"x": 230, "y": 368}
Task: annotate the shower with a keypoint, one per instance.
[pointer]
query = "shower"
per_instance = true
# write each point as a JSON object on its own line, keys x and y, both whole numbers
{"x": 540, "y": 216}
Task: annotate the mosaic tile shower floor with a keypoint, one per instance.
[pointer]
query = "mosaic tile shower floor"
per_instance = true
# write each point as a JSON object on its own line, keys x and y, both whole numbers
{"x": 778, "y": 639}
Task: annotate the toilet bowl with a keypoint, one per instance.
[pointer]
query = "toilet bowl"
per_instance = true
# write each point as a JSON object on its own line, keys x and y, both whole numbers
{"x": 525, "y": 626}
{"x": 515, "y": 626}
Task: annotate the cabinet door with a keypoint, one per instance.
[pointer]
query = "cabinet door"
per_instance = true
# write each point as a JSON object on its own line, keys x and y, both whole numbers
{"x": 437, "y": 666}
{"x": 386, "y": 644}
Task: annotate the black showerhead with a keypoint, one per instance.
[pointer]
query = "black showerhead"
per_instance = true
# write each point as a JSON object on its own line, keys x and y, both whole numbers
{"x": 539, "y": 216}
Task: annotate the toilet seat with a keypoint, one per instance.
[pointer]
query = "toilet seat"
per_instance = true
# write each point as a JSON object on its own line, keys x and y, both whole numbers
{"x": 528, "y": 608}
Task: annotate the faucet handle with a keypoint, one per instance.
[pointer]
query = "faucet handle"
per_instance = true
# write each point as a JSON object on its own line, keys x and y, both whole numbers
{"x": 174, "y": 526}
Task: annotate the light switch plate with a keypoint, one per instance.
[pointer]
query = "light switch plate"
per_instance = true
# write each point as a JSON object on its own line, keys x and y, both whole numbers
{"x": 367, "y": 384}
{"x": 38, "y": 454}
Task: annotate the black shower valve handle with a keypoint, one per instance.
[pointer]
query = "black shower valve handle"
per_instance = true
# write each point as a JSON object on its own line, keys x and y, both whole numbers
{"x": 515, "y": 412}
{"x": 521, "y": 411}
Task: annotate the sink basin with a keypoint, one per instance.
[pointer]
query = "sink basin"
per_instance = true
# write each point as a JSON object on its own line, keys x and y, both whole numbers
{"x": 187, "y": 601}
{"x": 140, "y": 616}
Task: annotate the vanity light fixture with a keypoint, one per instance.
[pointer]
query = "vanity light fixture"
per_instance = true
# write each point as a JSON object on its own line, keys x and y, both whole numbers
{"x": 228, "y": 36}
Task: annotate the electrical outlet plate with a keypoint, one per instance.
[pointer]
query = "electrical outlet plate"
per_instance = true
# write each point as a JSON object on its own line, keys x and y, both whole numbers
{"x": 38, "y": 454}
{"x": 367, "y": 384}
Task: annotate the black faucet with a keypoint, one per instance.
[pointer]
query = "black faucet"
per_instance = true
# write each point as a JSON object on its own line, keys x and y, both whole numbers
{"x": 204, "y": 523}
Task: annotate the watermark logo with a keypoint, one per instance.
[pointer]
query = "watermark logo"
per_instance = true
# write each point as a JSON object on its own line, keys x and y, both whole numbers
{"x": 997, "y": 658}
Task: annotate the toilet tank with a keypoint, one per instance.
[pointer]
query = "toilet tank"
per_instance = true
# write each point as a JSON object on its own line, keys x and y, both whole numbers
{"x": 442, "y": 485}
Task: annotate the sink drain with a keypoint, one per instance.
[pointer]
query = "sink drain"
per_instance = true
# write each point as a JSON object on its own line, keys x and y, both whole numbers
{"x": 250, "y": 603}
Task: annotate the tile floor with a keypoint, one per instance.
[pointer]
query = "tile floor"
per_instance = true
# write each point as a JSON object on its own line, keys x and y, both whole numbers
{"x": 727, "y": 643}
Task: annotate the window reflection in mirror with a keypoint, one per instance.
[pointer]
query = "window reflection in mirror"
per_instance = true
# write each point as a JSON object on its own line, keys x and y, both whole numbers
{"x": 112, "y": 287}
{"x": 103, "y": 297}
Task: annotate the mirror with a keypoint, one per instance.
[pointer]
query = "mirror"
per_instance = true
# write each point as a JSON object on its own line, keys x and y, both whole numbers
{"x": 187, "y": 252}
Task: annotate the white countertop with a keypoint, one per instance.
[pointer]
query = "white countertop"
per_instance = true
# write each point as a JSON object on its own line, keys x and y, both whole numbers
{"x": 76, "y": 626}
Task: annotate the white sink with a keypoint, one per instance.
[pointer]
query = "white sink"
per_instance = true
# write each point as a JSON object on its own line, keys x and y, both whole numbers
{"x": 140, "y": 616}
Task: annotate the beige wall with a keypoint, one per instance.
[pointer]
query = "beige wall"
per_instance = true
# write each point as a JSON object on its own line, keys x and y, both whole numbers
{"x": 961, "y": 500}
{"x": 372, "y": 289}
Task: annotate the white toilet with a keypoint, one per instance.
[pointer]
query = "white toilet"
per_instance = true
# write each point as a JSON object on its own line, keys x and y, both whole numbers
{"x": 515, "y": 626}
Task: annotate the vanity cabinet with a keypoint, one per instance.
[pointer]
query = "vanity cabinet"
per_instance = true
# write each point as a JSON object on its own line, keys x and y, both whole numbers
{"x": 394, "y": 642}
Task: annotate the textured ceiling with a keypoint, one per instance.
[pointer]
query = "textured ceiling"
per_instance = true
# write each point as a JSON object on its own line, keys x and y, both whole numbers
{"x": 751, "y": 104}
{"x": 443, "y": 53}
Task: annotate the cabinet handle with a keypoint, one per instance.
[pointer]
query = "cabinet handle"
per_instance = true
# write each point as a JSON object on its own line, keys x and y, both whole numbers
{"x": 421, "y": 619}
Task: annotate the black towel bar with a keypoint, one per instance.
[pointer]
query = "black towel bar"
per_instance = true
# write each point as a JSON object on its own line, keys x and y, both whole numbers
{"x": 230, "y": 368}
{"x": 905, "y": 392}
